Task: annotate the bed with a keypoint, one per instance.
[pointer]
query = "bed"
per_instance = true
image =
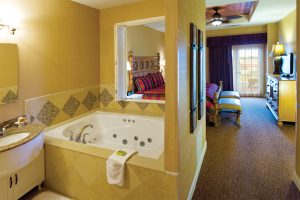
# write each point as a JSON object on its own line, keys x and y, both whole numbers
{"x": 145, "y": 77}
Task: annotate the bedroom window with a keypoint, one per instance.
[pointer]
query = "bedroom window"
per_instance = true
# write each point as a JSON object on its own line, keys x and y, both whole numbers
{"x": 248, "y": 69}
{"x": 140, "y": 60}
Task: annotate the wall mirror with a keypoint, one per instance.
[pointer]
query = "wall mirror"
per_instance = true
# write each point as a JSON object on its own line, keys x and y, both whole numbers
{"x": 140, "y": 60}
{"x": 9, "y": 73}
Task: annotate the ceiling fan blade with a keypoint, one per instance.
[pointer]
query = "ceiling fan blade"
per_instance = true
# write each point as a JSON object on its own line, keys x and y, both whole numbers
{"x": 227, "y": 21}
{"x": 234, "y": 17}
{"x": 231, "y": 25}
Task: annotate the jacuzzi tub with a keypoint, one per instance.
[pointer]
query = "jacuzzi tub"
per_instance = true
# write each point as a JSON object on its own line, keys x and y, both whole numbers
{"x": 116, "y": 131}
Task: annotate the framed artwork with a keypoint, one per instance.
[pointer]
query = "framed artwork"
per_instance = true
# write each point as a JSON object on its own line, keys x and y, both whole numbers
{"x": 193, "y": 120}
{"x": 193, "y": 77}
{"x": 193, "y": 68}
{"x": 200, "y": 74}
{"x": 200, "y": 38}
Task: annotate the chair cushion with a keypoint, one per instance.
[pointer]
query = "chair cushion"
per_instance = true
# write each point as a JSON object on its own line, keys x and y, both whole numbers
{"x": 230, "y": 104}
{"x": 230, "y": 94}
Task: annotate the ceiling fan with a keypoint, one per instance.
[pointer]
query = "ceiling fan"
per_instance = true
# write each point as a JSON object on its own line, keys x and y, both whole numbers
{"x": 217, "y": 19}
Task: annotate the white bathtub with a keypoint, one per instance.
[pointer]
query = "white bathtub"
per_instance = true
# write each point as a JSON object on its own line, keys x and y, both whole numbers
{"x": 117, "y": 131}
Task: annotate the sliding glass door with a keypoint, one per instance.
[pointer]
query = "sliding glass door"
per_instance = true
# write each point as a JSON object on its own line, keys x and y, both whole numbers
{"x": 248, "y": 69}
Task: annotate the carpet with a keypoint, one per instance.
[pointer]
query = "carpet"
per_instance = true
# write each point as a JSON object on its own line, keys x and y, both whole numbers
{"x": 255, "y": 161}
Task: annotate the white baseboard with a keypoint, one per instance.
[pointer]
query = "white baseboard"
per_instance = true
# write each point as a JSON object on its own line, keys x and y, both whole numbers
{"x": 195, "y": 179}
{"x": 296, "y": 180}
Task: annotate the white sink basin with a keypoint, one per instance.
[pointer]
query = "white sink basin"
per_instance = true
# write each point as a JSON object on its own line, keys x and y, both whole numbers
{"x": 7, "y": 140}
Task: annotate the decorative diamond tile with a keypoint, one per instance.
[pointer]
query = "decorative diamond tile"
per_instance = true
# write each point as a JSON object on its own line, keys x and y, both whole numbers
{"x": 89, "y": 100}
{"x": 47, "y": 114}
{"x": 161, "y": 106}
{"x": 142, "y": 106}
{"x": 123, "y": 104}
{"x": 71, "y": 106}
{"x": 105, "y": 97}
{"x": 9, "y": 97}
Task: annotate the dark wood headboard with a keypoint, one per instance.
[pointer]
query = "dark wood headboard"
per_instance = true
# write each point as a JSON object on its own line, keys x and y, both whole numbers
{"x": 141, "y": 66}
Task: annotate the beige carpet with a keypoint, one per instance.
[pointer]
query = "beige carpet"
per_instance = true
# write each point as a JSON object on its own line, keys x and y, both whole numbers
{"x": 255, "y": 161}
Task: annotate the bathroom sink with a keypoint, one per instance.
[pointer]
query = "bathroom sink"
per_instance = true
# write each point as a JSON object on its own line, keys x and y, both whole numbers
{"x": 7, "y": 140}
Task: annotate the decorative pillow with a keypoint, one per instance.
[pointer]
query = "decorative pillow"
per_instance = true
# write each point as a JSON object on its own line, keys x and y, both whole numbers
{"x": 157, "y": 79}
{"x": 143, "y": 83}
{"x": 210, "y": 108}
{"x": 211, "y": 88}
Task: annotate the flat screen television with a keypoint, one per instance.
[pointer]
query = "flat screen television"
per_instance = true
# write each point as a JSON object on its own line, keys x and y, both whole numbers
{"x": 288, "y": 65}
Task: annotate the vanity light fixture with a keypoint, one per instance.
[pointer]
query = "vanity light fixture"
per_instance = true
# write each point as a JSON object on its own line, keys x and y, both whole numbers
{"x": 12, "y": 30}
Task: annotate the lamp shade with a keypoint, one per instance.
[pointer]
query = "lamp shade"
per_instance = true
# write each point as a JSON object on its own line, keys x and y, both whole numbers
{"x": 277, "y": 50}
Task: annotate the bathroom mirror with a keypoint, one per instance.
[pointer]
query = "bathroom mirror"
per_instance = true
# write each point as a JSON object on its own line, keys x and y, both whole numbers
{"x": 140, "y": 59}
{"x": 9, "y": 73}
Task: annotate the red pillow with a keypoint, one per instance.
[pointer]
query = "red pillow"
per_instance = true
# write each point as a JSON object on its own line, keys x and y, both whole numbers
{"x": 143, "y": 83}
{"x": 157, "y": 79}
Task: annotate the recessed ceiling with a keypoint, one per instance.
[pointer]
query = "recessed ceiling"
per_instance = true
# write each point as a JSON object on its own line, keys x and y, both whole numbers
{"x": 267, "y": 11}
{"x": 101, "y": 4}
{"x": 231, "y": 9}
{"x": 231, "y": 14}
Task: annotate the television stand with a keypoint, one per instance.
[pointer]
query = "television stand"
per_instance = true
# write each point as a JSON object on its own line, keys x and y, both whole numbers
{"x": 281, "y": 98}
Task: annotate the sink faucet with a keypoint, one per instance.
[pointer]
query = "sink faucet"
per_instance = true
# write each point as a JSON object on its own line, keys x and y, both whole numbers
{"x": 78, "y": 135}
{"x": 3, "y": 130}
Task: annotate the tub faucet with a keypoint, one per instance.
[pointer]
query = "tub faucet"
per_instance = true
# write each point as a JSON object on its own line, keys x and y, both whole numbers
{"x": 78, "y": 135}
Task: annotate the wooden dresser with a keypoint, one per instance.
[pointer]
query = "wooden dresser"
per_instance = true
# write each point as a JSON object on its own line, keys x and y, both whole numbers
{"x": 281, "y": 98}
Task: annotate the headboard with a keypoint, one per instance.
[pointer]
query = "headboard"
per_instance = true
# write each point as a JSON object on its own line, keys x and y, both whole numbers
{"x": 141, "y": 66}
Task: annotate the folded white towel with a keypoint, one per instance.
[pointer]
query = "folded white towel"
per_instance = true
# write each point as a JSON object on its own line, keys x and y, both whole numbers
{"x": 115, "y": 166}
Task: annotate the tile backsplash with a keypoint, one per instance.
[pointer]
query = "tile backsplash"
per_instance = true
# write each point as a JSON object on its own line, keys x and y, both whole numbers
{"x": 58, "y": 107}
{"x": 55, "y": 108}
{"x": 108, "y": 104}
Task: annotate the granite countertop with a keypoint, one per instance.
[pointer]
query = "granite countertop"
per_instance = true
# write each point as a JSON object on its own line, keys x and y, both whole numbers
{"x": 33, "y": 129}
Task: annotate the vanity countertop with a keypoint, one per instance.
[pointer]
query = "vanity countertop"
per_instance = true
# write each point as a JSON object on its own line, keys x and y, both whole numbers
{"x": 33, "y": 129}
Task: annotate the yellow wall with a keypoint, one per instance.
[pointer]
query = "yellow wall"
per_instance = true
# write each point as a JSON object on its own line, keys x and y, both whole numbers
{"x": 58, "y": 43}
{"x": 108, "y": 18}
{"x": 272, "y": 31}
{"x": 298, "y": 96}
{"x": 287, "y": 32}
{"x": 8, "y": 65}
{"x": 144, "y": 41}
{"x": 237, "y": 31}
{"x": 190, "y": 146}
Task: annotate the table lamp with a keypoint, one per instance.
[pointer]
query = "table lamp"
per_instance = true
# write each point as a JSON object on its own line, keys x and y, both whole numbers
{"x": 277, "y": 52}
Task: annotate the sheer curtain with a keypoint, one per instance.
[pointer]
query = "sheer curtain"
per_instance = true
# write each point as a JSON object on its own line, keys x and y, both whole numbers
{"x": 249, "y": 69}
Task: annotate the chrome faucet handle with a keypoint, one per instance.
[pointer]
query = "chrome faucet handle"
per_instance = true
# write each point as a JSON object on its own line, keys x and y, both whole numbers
{"x": 83, "y": 139}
